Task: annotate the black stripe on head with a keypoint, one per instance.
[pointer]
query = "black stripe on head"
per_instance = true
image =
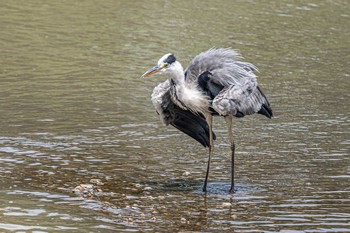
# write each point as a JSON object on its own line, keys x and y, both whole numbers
{"x": 170, "y": 59}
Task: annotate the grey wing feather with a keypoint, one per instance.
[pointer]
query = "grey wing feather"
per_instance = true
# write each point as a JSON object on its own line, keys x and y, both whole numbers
{"x": 242, "y": 100}
{"x": 161, "y": 100}
{"x": 229, "y": 82}
{"x": 223, "y": 64}
{"x": 184, "y": 120}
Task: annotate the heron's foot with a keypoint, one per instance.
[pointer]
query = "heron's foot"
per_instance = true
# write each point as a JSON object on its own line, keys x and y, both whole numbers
{"x": 232, "y": 190}
{"x": 205, "y": 189}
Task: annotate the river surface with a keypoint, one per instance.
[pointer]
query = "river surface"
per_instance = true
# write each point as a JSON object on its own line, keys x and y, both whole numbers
{"x": 82, "y": 149}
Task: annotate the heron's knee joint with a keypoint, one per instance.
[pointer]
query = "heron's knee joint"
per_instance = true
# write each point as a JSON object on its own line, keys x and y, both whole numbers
{"x": 233, "y": 146}
{"x": 211, "y": 149}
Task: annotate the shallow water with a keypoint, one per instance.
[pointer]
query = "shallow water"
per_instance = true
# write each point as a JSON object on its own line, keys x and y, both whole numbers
{"x": 73, "y": 109}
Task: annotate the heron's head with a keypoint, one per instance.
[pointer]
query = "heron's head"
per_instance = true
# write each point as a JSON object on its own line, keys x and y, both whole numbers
{"x": 166, "y": 63}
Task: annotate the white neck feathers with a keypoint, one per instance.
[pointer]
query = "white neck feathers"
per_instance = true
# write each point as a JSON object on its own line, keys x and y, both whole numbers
{"x": 186, "y": 94}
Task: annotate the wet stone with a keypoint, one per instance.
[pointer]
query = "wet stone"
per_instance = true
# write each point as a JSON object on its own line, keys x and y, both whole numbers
{"x": 88, "y": 190}
{"x": 186, "y": 173}
{"x": 226, "y": 204}
{"x": 96, "y": 182}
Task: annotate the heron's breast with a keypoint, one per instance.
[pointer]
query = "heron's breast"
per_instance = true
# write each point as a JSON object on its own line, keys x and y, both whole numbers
{"x": 191, "y": 99}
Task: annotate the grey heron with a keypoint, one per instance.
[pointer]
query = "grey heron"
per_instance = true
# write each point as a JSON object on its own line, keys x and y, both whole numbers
{"x": 216, "y": 82}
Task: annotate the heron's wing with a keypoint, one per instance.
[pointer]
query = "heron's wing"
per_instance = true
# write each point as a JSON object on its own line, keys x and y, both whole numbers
{"x": 242, "y": 100}
{"x": 184, "y": 120}
{"x": 224, "y": 65}
{"x": 230, "y": 83}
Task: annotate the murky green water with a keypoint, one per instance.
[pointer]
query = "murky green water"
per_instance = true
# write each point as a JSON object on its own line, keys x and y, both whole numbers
{"x": 73, "y": 109}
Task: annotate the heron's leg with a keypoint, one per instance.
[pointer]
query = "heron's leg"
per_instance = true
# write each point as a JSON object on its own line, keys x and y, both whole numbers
{"x": 228, "y": 120}
{"x": 209, "y": 119}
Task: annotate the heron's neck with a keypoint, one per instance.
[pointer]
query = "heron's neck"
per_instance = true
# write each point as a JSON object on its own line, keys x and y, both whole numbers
{"x": 184, "y": 93}
{"x": 176, "y": 75}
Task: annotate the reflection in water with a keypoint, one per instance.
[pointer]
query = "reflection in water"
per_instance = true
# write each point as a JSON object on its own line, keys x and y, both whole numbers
{"x": 74, "y": 111}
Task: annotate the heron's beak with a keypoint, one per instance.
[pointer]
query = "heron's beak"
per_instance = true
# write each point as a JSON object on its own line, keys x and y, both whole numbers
{"x": 154, "y": 70}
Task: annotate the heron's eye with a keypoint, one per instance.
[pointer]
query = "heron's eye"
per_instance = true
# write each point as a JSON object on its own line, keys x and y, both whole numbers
{"x": 164, "y": 65}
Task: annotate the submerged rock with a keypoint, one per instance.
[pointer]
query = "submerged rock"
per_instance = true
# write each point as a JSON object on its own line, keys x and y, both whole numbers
{"x": 183, "y": 220}
{"x": 226, "y": 204}
{"x": 86, "y": 190}
{"x": 186, "y": 173}
{"x": 96, "y": 182}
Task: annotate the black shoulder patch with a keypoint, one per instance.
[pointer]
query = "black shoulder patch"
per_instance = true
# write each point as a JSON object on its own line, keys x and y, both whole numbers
{"x": 170, "y": 59}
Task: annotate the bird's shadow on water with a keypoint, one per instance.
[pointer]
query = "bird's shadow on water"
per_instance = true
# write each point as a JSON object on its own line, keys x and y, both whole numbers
{"x": 196, "y": 187}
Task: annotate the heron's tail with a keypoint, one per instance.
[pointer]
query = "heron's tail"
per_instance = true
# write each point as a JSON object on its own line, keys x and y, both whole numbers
{"x": 265, "y": 107}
